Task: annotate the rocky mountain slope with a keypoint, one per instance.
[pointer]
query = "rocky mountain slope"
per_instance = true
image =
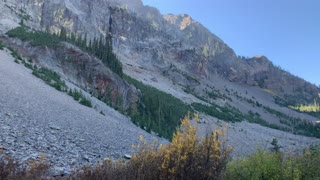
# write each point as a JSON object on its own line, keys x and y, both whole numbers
{"x": 172, "y": 53}
{"x": 154, "y": 41}
{"x": 36, "y": 119}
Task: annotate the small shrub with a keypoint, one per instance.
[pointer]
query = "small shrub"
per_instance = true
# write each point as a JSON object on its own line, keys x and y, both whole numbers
{"x": 275, "y": 145}
{"x": 86, "y": 102}
{"x": 2, "y": 46}
{"x": 16, "y": 61}
{"x": 78, "y": 96}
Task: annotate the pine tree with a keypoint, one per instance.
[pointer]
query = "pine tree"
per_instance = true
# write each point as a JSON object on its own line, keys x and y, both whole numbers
{"x": 63, "y": 34}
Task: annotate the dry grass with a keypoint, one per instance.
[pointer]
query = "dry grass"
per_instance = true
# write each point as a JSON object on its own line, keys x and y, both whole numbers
{"x": 32, "y": 170}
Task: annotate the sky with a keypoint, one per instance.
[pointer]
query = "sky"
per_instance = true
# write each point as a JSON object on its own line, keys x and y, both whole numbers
{"x": 285, "y": 31}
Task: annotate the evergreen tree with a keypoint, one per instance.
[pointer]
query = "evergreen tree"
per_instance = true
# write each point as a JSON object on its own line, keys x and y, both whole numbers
{"x": 63, "y": 34}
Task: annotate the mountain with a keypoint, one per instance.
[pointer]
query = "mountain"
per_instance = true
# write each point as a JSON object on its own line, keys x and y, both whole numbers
{"x": 188, "y": 67}
{"x": 160, "y": 41}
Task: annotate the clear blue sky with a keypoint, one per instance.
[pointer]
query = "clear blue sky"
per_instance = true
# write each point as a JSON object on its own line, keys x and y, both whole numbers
{"x": 286, "y": 31}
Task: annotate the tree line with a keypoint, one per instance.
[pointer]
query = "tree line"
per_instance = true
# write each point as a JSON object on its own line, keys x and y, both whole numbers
{"x": 99, "y": 47}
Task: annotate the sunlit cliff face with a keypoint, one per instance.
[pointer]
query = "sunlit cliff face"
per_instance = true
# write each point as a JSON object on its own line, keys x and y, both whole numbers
{"x": 132, "y": 4}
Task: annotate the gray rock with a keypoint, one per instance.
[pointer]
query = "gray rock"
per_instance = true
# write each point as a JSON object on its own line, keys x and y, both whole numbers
{"x": 86, "y": 158}
{"x": 54, "y": 127}
{"x": 127, "y": 156}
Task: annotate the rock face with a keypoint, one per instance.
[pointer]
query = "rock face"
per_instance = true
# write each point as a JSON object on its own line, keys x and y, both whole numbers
{"x": 261, "y": 72}
{"x": 156, "y": 42}
{"x": 83, "y": 70}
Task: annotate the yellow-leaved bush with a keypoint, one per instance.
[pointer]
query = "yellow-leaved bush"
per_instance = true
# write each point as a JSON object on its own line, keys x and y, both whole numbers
{"x": 186, "y": 157}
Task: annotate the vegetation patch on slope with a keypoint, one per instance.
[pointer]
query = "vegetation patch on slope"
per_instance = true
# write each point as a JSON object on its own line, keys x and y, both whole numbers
{"x": 36, "y": 38}
{"x": 296, "y": 125}
{"x": 311, "y": 109}
{"x": 50, "y": 77}
{"x": 222, "y": 113}
{"x": 2, "y": 46}
{"x": 157, "y": 111}
{"x": 78, "y": 96}
{"x": 229, "y": 114}
{"x": 101, "y": 48}
{"x": 54, "y": 80}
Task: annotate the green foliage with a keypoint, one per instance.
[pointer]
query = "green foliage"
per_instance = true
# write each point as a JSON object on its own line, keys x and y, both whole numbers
{"x": 37, "y": 38}
{"x": 232, "y": 115}
{"x": 255, "y": 118}
{"x": 15, "y": 54}
{"x": 24, "y": 15}
{"x": 78, "y": 96}
{"x": 268, "y": 165}
{"x": 54, "y": 80}
{"x": 2, "y": 46}
{"x": 309, "y": 163}
{"x": 296, "y": 125}
{"x": 214, "y": 94}
{"x": 223, "y": 113}
{"x": 86, "y": 102}
{"x": 275, "y": 145}
{"x": 75, "y": 94}
{"x": 101, "y": 48}
{"x": 156, "y": 110}
{"x": 51, "y": 78}
{"x": 314, "y": 114}
{"x": 280, "y": 101}
{"x": 16, "y": 61}
{"x": 261, "y": 165}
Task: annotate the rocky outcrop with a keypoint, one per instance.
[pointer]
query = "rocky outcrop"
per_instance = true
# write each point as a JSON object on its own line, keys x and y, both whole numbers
{"x": 83, "y": 70}
{"x": 294, "y": 90}
{"x": 156, "y": 42}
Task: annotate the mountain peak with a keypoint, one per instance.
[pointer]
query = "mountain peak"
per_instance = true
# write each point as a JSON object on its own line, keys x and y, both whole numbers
{"x": 259, "y": 56}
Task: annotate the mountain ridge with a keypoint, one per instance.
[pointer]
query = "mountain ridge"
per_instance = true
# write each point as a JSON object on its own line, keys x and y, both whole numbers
{"x": 174, "y": 47}
{"x": 212, "y": 55}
